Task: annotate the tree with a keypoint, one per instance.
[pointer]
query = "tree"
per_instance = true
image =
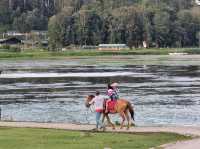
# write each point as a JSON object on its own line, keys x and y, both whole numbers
{"x": 59, "y": 30}
{"x": 161, "y": 21}
{"x": 173, "y": 23}
{"x": 94, "y": 28}
{"x": 21, "y": 24}
{"x": 5, "y": 19}
{"x": 56, "y": 33}
{"x": 191, "y": 26}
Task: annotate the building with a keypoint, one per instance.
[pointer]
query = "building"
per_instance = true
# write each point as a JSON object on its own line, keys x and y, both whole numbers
{"x": 14, "y": 33}
{"x": 112, "y": 47}
{"x": 87, "y": 47}
{"x": 36, "y": 34}
{"x": 33, "y": 39}
{"x": 10, "y": 41}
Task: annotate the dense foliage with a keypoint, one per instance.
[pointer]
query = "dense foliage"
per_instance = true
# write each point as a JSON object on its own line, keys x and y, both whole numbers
{"x": 160, "y": 23}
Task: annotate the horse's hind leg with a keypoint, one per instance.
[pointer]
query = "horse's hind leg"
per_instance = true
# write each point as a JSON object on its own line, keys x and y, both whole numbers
{"x": 122, "y": 114}
{"x": 109, "y": 122}
{"x": 128, "y": 119}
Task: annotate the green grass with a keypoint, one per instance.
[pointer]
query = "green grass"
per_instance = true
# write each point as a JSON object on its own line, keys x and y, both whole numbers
{"x": 36, "y": 54}
{"x": 27, "y": 138}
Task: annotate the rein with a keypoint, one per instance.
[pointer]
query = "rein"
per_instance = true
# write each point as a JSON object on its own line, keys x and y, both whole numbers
{"x": 92, "y": 109}
{"x": 89, "y": 110}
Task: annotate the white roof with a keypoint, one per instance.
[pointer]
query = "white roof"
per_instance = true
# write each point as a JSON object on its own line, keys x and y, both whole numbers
{"x": 112, "y": 45}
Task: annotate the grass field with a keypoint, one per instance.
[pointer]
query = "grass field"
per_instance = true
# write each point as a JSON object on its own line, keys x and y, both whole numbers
{"x": 28, "y": 138}
{"x": 34, "y": 54}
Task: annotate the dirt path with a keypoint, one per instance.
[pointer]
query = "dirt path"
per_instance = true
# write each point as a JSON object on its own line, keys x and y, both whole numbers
{"x": 192, "y": 144}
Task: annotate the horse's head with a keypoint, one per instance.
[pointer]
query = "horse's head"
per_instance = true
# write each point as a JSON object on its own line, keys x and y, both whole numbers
{"x": 88, "y": 99}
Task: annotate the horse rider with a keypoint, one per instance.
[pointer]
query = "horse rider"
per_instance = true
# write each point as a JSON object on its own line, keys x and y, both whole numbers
{"x": 112, "y": 93}
{"x": 116, "y": 90}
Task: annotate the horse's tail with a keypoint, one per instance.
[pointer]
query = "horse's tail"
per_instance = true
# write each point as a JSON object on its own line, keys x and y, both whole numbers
{"x": 131, "y": 110}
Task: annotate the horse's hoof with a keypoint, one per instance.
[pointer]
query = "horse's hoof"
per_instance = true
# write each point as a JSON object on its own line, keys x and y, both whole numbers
{"x": 133, "y": 124}
{"x": 94, "y": 129}
{"x": 103, "y": 128}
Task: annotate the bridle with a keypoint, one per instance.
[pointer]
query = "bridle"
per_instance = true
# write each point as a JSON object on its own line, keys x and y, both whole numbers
{"x": 90, "y": 109}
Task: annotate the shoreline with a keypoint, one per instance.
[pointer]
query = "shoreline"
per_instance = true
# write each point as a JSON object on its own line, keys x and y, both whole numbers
{"x": 182, "y": 130}
{"x": 44, "y": 54}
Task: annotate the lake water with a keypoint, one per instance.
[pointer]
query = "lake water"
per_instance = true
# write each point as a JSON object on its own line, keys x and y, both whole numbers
{"x": 165, "y": 90}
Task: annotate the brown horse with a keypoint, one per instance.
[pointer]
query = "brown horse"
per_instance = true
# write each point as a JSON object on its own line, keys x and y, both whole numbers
{"x": 122, "y": 106}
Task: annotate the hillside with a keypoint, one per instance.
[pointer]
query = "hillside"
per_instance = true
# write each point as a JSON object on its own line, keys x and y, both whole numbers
{"x": 160, "y": 23}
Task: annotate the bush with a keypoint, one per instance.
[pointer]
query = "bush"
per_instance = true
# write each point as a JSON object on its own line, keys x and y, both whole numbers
{"x": 5, "y": 47}
{"x": 15, "y": 49}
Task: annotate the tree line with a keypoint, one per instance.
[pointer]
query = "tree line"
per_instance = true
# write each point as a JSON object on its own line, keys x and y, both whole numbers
{"x": 158, "y": 23}
{"x": 26, "y": 15}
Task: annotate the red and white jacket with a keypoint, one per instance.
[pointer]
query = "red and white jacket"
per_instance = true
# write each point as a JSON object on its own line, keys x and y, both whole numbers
{"x": 98, "y": 103}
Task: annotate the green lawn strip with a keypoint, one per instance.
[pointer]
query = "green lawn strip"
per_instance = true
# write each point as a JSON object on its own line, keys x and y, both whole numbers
{"x": 28, "y": 138}
{"x": 34, "y": 54}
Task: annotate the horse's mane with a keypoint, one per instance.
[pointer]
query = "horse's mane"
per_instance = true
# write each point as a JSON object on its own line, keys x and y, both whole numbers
{"x": 91, "y": 96}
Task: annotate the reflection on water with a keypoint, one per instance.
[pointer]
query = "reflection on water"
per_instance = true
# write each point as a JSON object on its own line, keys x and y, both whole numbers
{"x": 55, "y": 91}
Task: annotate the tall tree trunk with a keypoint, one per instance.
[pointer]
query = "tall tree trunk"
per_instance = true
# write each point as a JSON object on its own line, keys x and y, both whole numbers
{"x": 10, "y": 4}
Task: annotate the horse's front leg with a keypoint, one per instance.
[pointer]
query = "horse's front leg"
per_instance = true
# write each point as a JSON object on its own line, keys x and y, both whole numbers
{"x": 103, "y": 118}
{"x": 109, "y": 121}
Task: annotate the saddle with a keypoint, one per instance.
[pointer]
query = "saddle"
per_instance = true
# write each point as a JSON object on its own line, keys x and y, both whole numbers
{"x": 111, "y": 106}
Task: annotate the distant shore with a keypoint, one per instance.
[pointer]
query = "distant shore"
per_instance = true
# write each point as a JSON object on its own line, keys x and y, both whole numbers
{"x": 44, "y": 54}
{"x": 182, "y": 130}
